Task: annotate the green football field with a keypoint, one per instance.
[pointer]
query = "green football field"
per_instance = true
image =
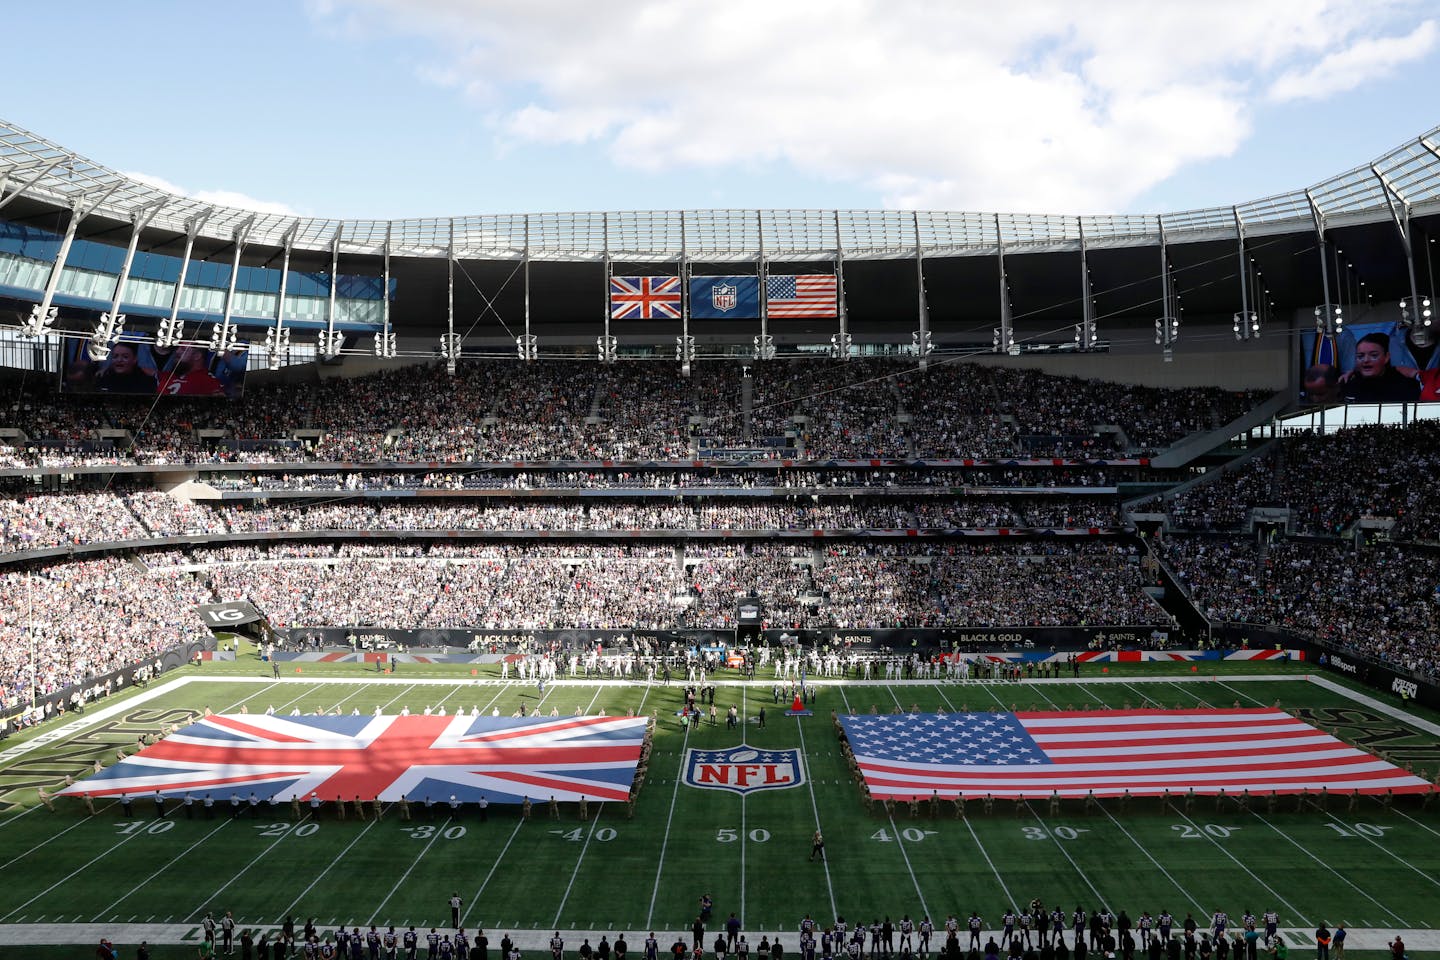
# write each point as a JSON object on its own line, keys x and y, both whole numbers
{"x": 1374, "y": 866}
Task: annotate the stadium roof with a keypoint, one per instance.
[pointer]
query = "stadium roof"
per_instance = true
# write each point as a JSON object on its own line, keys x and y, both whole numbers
{"x": 45, "y": 172}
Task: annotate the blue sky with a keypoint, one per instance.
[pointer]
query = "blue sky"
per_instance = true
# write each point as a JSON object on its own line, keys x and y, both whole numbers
{"x": 400, "y": 108}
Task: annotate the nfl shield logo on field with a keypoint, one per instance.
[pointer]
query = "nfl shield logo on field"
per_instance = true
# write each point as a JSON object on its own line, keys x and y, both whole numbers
{"x": 743, "y": 769}
{"x": 724, "y": 296}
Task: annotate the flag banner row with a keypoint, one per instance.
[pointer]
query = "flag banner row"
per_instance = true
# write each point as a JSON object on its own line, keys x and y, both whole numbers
{"x": 724, "y": 297}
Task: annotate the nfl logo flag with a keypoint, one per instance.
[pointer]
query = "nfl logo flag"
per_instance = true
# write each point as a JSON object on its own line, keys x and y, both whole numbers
{"x": 743, "y": 769}
{"x": 645, "y": 298}
{"x": 715, "y": 298}
{"x": 1145, "y": 752}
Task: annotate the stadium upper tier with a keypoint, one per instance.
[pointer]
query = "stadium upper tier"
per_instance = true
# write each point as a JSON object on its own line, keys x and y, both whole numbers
{"x": 502, "y": 411}
{"x": 45, "y": 171}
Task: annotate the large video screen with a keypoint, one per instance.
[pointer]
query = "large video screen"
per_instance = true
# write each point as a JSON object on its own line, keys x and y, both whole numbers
{"x": 1369, "y": 363}
{"x": 144, "y": 369}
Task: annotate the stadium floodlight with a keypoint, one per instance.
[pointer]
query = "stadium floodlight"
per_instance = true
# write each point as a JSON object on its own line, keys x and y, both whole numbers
{"x": 1421, "y": 315}
{"x": 685, "y": 353}
{"x": 764, "y": 347}
{"x": 1246, "y": 325}
{"x": 171, "y": 332}
{"x": 36, "y": 325}
{"x": 1329, "y": 322}
{"x": 224, "y": 337}
{"x": 527, "y": 347}
{"x": 329, "y": 343}
{"x": 385, "y": 344}
{"x": 921, "y": 343}
{"x": 277, "y": 347}
{"x": 606, "y": 347}
{"x": 106, "y": 334}
{"x": 450, "y": 349}
{"x": 840, "y": 346}
{"x": 1004, "y": 342}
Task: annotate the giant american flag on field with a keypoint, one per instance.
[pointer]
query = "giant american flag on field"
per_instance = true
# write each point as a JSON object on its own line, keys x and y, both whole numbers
{"x": 384, "y": 757}
{"x": 1074, "y": 753}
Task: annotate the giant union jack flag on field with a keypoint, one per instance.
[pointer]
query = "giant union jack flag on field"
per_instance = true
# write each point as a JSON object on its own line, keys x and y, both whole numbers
{"x": 385, "y": 758}
{"x": 1035, "y": 754}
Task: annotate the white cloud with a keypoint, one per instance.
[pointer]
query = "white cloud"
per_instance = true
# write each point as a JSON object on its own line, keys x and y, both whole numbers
{"x": 223, "y": 198}
{"x": 1364, "y": 60}
{"x": 1043, "y": 105}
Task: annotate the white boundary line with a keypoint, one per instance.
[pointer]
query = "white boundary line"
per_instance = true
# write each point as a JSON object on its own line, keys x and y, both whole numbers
{"x": 578, "y": 861}
{"x": 1180, "y": 887}
{"x": 166, "y": 866}
{"x": 245, "y": 869}
{"x": 475, "y": 900}
{"x": 84, "y": 866}
{"x": 328, "y": 867}
{"x": 900, "y": 841}
{"x": 409, "y": 870}
{"x": 665, "y": 843}
{"x": 810, "y": 783}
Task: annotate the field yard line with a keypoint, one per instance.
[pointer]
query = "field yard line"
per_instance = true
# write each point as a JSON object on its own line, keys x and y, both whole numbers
{"x": 1144, "y": 697}
{"x": 665, "y": 842}
{"x": 169, "y": 863}
{"x": 1417, "y": 823}
{"x": 42, "y": 842}
{"x": 493, "y": 867}
{"x": 410, "y": 869}
{"x": 27, "y": 810}
{"x": 1388, "y": 853}
{"x": 598, "y": 688}
{"x": 744, "y": 707}
{"x": 1141, "y": 847}
{"x": 252, "y": 696}
{"x": 578, "y": 860}
{"x": 1300, "y": 846}
{"x": 900, "y": 841}
{"x": 640, "y": 710}
{"x": 940, "y": 690}
{"x": 458, "y": 687}
{"x": 338, "y": 857}
{"x": 810, "y": 782}
{"x": 1061, "y": 847}
{"x": 1009, "y": 897}
{"x": 1138, "y": 845}
{"x": 399, "y": 695}
{"x": 1238, "y": 693}
{"x": 1235, "y": 860}
{"x": 245, "y": 869}
{"x": 80, "y": 869}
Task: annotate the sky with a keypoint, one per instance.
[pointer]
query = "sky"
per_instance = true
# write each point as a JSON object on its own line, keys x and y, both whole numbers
{"x": 429, "y": 108}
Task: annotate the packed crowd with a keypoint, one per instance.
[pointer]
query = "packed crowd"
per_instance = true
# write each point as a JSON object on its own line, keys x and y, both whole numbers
{"x": 954, "y": 585}
{"x": 73, "y": 621}
{"x": 1382, "y": 601}
{"x": 504, "y": 411}
{"x": 1329, "y": 482}
{"x": 709, "y": 478}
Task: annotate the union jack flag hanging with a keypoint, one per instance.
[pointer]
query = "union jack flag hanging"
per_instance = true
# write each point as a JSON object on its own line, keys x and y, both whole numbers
{"x": 645, "y": 298}
{"x": 504, "y": 758}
